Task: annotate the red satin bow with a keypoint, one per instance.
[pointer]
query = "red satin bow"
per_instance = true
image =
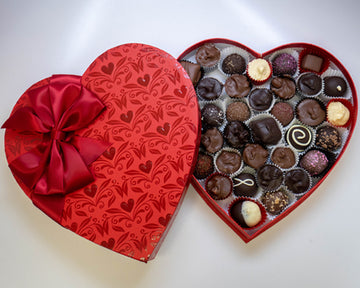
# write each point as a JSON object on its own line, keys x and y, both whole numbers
{"x": 59, "y": 164}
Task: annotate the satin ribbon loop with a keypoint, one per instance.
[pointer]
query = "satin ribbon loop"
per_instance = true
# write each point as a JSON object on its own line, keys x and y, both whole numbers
{"x": 59, "y": 164}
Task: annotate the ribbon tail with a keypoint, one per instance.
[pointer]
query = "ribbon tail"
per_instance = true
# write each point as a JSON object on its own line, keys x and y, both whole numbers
{"x": 51, "y": 205}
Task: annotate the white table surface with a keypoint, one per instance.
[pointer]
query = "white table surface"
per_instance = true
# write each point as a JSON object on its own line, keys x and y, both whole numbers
{"x": 315, "y": 246}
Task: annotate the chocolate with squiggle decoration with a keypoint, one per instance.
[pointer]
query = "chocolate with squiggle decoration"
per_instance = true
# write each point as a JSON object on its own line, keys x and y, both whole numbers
{"x": 245, "y": 185}
{"x": 299, "y": 137}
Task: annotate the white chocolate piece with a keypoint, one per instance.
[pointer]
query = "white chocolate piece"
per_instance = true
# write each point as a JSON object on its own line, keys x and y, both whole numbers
{"x": 251, "y": 213}
{"x": 337, "y": 113}
{"x": 259, "y": 69}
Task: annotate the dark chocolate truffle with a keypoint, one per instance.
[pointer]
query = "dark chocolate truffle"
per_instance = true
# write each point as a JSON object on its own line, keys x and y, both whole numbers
{"x": 284, "y": 64}
{"x": 283, "y": 112}
{"x": 209, "y": 88}
{"x": 310, "y": 112}
{"x": 335, "y": 86}
{"x": 260, "y": 99}
{"x": 314, "y": 161}
{"x": 312, "y": 62}
{"x": 283, "y": 87}
{"x": 237, "y": 86}
{"x": 228, "y": 162}
{"x": 236, "y": 134}
{"x": 193, "y": 70}
{"x": 212, "y": 140}
{"x": 246, "y": 213}
{"x": 309, "y": 84}
{"x": 237, "y": 111}
{"x": 234, "y": 64}
{"x": 328, "y": 138}
{"x": 275, "y": 202}
{"x": 212, "y": 115}
{"x": 245, "y": 185}
{"x": 283, "y": 157}
{"x": 269, "y": 177}
{"x": 218, "y": 186}
{"x": 204, "y": 166}
{"x": 297, "y": 180}
{"x": 265, "y": 131}
{"x": 207, "y": 55}
{"x": 255, "y": 155}
{"x": 299, "y": 137}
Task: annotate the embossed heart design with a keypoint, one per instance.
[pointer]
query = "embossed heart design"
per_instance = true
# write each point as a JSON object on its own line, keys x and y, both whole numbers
{"x": 307, "y": 142}
{"x": 131, "y": 204}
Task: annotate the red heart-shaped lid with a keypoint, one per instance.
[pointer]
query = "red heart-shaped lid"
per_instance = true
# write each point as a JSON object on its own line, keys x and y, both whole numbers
{"x": 113, "y": 175}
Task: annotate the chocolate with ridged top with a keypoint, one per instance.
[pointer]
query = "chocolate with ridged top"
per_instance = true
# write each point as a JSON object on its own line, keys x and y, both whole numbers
{"x": 237, "y": 86}
{"x": 207, "y": 55}
{"x": 212, "y": 115}
{"x": 299, "y": 137}
{"x": 212, "y": 140}
{"x": 297, "y": 180}
{"x": 228, "y": 162}
{"x": 236, "y": 134}
{"x": 209, "y": 88}
{"x": 260, "y": 99}
{"x": 234, "y": 64}
{"x": 246, "y": 213}
{"x": 193, "y": 70}
{"x": 255, "y": 155}
{"x": 266, "y": 131}
{"x": 310, "y": 112}
{"x": 309, "y": 84}
{"x": 218, "y": 186}
{"x": 269, "y": 177}
{"x": 283, "y": 87}
{"x": 335, "y": 86}
{"x": 328, "y": 138}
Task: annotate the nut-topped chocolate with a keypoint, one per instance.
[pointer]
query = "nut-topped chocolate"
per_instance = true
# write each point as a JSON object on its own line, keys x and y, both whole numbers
{"x": 328, "y": 138}
{"x": 275, "y": 202}
{"x": 335, "y": 86}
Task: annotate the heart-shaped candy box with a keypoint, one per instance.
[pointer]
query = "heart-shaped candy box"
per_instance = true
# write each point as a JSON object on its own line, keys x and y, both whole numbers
{"x": 270, "y": 133}
{"x": 115, "y": 176}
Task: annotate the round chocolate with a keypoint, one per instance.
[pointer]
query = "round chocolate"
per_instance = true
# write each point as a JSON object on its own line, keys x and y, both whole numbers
{"x": 299, "y": 137}
{"x": 269, "y": 177}
{"x": 283, "y": 112}
{"x": 265, "y": 131}
{"x": 209, "y": 88}
{"x": 245, "y": 185}
{"x": 212, "y": 140}
{"x": 207, "y": 55}
{"x": 228, "y": 162}
{"x": 314, "y": 161}
{"x": 246, "y": 213}
{"x": 212, "y": 115}
{"x": 283, "y": 87}
{"x": 310, "y": 112}
{"x": 260, "y": 99}
{"x": 204, "y": 166}
{"x": 297, "y": 180}
{"x": 193, "y": 70}
{"x": 328, "y": 138}
{"x": 284, "y": 64}
{"x": 218, "y": 186}
{"x": 236, "y": 134}
{"x": 237, "y": 86}
{"x": 335, "y": 86}
{"x": 275, "y": 202}
{"x": 234, "y": 64}
{"x": 283, "y": 157}
{"x": 259, "y": 70}
{"x": 237, "y": 111}
{"x": 255, "y": 155}
{"x": 309, "y": 84}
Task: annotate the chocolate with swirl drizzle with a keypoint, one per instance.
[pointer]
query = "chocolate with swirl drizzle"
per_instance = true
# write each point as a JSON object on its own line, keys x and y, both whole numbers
{"x": 299, "y": 137}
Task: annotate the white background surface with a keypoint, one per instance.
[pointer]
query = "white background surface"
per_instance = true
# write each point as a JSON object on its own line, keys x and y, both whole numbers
{"x": 316, "y": 246}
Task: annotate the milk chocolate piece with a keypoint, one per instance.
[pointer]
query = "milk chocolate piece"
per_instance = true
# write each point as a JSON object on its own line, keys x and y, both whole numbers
{"x": 237, "y": 86}
{"x": 283, "y": 157}
{"x": 228, "y": 162}
{"x": 283, "y": 87}
{"x": 218, "y": 186}
{"x": 312, "y": 62}
{"x": 255, "y": 155}
{"x": 310, "y": 112}
{"x": 207, "y": 55}
{"x": 212, "y": 140}
{"x": 193, "y": 70}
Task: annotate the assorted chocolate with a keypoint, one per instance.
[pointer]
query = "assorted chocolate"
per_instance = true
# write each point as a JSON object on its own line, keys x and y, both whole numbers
{"x": 271, "y": 127}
